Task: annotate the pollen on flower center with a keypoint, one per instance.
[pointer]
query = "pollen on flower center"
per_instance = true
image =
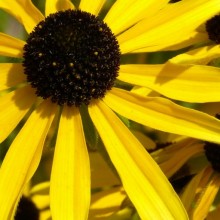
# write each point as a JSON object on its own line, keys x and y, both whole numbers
{"x": 213, "y": 29}
{"x": 71, "y": 57}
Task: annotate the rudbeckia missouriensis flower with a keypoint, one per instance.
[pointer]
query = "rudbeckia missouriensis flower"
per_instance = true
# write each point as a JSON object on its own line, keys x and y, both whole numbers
{"x": 71, "y": 59}
{"x": 200, "y": 195}
{"x": 193, "y": 168}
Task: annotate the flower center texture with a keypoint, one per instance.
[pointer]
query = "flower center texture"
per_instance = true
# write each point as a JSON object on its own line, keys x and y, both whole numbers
{"x": 71, "y": 57}
{"x": 212, "y": 152}
{"x": 213, "y": 29}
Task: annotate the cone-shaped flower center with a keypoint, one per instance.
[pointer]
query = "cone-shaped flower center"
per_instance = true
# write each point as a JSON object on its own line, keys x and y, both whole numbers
{"x": 71, "y": 57}
{"x": 213, "y": 29}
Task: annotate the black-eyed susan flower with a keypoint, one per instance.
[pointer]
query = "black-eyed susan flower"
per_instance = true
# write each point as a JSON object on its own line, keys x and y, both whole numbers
{"x": 193, "y": 168}
{"x": 70, "y": 59}
{"x": 200, "y": 196}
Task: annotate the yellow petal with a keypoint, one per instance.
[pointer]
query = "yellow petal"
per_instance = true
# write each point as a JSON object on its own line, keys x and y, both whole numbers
{"x": 189, "y": 192}
{"x": 52, "y": 6}
{"x": 10, "y": 46}
{"x": 181, "y": 82}
{"x": 11, "y": 74}
{"x": 23, "y": 157}
{"x": 194, "y": 37}
{"x": 140, "y": 90}
{"x": 40, "y": 195}
{"x": 201, "y": 55}
{"x": 14, "y": 106}
{"x": 164, "y": 115}
{"x": 70, "y": 178}
{"x": 124, "y": 14}
{"x": 207, "y": 198}
{"x": 40, "y": 189}
{"x": 176, "y": 20}
{"x": 152, "y": 195}
{"x": 24, "y": 11}
{"x": 106, "y": 202}
{"x": 178, "y": 159}
{"x": 92, "y": 7}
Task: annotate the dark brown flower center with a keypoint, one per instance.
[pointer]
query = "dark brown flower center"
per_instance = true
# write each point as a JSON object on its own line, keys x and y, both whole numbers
{"x": 71, "y": 57}
{"x": 26, "y": 210}
{"x": 213, "y": 29}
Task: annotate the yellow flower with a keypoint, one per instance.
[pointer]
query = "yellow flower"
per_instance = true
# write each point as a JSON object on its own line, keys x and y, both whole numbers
{"x": 58, "y": 90}
{"x": 193, "y": 168}
{"x": 199, "y": 195}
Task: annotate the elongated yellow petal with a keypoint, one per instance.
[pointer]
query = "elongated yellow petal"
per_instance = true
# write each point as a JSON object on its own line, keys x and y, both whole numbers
{"x": 189, "y": 192}
{"x": 70, "y": 178}
{"x": 14, "y": 106}
{"x": 201, "y": 55}
{"x": 170, "y": 21}
{"x": 179, "y": 158}
{"x": 92, "y": 7}
{"x": 52, "y": 6}
{"x": 184, "y": 83}
{"x": 119, "y": 21}
{"x": 152, "y": 195}
{"x": 164, "y": 115}
{"x": 140, "y": 90}
{"x": 207, "y": 198}
{"x": 10, "y": 46}
{"x": 194, "y": 37}
{"x": 23, "y": 157}
{"x": 11, "y": 74}
{"x": 106, "y": 202}
{"x": 40, "y": 189}
{"x": 24, "y": 11}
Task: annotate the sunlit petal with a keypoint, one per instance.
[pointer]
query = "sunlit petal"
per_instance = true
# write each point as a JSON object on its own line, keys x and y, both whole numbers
{"x": 70, "y": 178}
{"x": 201, "y": 55}
{"x": 162, "y": 114}
{"x": 119, "y": 21}
{"x": 184, "y": 83}
{"x": 52, "y": 6}
{"x": 24, "y": 11}
{"x": 135, "y": 167}
{"x": 23, "y": 157}
{"x": 92, "y": 7}
{"x": 10, "y": 46}
{"x": 166, "y": 23}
